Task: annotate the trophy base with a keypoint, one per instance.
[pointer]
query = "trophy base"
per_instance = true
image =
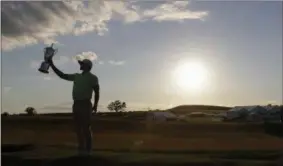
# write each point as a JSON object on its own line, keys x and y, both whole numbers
{"x": 44, "y": 68}
{"x": 43, "y": 71}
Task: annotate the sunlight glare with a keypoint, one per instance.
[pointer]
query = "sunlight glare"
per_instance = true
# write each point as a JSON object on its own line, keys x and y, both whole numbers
{"x": 190, "y": 76}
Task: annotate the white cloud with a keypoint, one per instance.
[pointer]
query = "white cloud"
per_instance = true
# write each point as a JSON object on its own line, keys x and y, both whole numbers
{"x": 47, "y": 78}
{"x": 116, "y": 63}
{"x": 175, "y": 11}
{"x": 29, "y": 22}
{"x": 7, "y": 89}
{"x": 125, "y": 10}
{"x": 101, "y": 63}
{"x": 86, "y": 55}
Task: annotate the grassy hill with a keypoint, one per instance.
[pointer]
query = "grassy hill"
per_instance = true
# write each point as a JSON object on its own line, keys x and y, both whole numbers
{"x": 184, "y": 109}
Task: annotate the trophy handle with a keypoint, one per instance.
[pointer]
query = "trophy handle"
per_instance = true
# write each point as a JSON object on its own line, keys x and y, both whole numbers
{"x": 55, "y": 51}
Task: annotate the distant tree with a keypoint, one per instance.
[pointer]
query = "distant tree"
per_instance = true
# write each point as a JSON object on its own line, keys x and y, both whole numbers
{"x": 5, "y": 114}
{"x": 30, "y": 111}
{"x": 117, "y": 106}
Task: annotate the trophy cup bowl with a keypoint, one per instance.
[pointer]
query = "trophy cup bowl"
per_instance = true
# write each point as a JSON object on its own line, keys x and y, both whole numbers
{"x": 49, "y": 52}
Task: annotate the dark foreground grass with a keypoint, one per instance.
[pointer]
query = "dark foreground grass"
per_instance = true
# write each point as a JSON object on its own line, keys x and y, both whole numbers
{"x": 48, "y": 141}
{"x": 59, "y": 155}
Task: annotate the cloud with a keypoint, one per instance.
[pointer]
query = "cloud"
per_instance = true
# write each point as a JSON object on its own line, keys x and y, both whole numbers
{"x": 116, "y": 63}
{"x": 101, "y": 62}
{"x": 86, "y": 55}
{"x": 47, "y": 78}
{"x": 7, "y": 89}
{"x": 175, "y": 11}
{"x": 29, "y": 22}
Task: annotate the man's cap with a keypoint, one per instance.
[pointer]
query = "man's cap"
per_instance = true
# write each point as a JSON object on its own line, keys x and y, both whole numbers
{"x": 85, "y": 62}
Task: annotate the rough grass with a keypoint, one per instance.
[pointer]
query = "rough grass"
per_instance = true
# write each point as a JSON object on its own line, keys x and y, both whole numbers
{"x": 138, "y": 142}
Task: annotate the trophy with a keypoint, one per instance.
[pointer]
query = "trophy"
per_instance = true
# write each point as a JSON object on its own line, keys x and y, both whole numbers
{"x": 49, "y": 52}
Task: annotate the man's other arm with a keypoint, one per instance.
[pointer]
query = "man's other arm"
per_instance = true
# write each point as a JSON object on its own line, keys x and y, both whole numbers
{"x": 96, "y": 89}
{"x": 68, "y": 77}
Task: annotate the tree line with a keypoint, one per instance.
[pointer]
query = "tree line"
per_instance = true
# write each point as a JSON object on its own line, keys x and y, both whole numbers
{"x": 116, "y": 106}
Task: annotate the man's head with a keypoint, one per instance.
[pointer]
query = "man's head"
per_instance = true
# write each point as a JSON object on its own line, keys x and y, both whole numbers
{"x": 85, "y": 65}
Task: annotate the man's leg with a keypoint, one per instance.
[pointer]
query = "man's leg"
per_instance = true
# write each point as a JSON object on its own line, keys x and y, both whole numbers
{"x": 88, "y": 138}
{"x": 80, "y": 138}
{"x": 87, "y": 127}
{"x": 78, "y": 128}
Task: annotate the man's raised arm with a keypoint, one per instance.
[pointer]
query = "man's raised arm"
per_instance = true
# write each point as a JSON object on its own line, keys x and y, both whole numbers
{"x": 68, "y": 77}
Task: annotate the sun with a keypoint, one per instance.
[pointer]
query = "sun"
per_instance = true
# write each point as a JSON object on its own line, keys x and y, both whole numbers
{"x": 190, "y": 76}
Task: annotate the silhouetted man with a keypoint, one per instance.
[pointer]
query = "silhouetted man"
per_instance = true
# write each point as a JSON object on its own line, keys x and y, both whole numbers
{"x": 84, "y": 85}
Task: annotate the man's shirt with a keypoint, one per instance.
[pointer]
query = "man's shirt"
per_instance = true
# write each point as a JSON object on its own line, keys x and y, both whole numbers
{"x": 83, "y": 85}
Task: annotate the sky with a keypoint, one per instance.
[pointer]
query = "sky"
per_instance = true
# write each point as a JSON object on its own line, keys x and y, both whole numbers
{"x": 135, "y": 47}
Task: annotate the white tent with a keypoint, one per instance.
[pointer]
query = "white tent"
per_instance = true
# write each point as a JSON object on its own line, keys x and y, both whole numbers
{"x": 268, "y": 107}
{"x": 273, "y": 110}
{"x": 160, "y": 116}
{"x": 235, "y": 112}
{"x": 273, "y": 113}
{"x": 254, "y": 117}
{"x": 254, "y": 113}
{"x": 257, "y": 110}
